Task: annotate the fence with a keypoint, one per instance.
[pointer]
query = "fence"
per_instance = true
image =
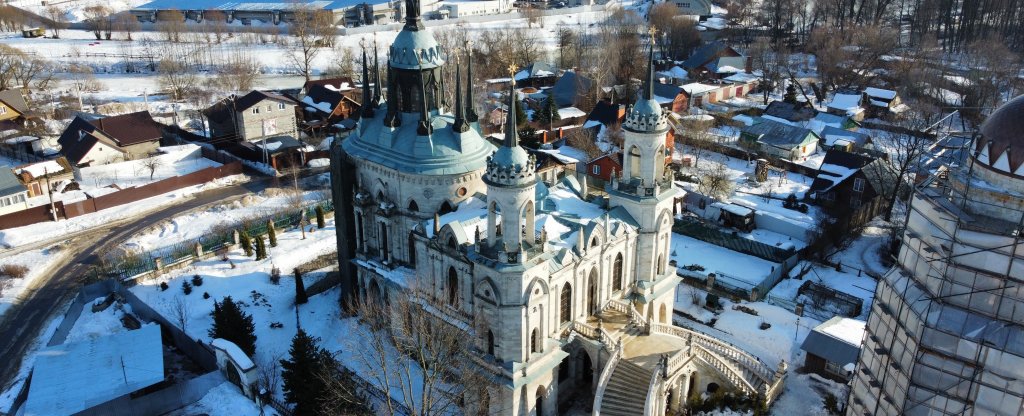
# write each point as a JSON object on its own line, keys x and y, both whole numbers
{"x": 11, "y": 153}
{"x": 131, "y": 265}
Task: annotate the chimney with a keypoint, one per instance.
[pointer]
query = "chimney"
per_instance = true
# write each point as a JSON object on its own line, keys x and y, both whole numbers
{"x": 748, "y": 67}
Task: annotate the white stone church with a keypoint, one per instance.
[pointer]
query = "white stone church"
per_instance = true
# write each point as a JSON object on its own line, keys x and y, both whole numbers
{"x": 576, "y": 292}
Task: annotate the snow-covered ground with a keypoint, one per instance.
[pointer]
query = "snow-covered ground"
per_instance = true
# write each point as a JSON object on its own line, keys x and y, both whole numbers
{"x": 748, "y": 269}
{"x": 44, "y": 231}
{"x": 224, "y": 400}
{"x": 39, "y": 263}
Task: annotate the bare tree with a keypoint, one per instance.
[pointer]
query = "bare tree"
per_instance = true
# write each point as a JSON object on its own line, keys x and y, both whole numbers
{"x": 903, "y": 151}
{"x": 770, "y": 61}
{"x": 171, "y": 24}
{"x": 58, "y": 18}
{"x": 238, "y": 73}
{"x": 715, "y": 181}
{"x": 126, "y": 23}
{"x": 152, "y": 164}
{"x": 33, "y": 69}
{"x": 181, "y": 312}
{"x": 435, "y": 373}
{"x": 311, "y": 30}
{"x": 176, "y": 77}
{"x": 216, "y": 24}
{"x": 97, "y": 19}
{"x": 532, "y": 14}
{"x": 269, "y": 376}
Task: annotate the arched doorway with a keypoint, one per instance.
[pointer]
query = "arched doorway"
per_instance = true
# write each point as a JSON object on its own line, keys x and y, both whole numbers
{"x": 585, "y": 373}
{"x": 453, "y": 286}
{"x": 693, "y": 384}
{"x": 617, "y": 273}
{"x": 592, "y": 293}
{"x": 565, "y": 304}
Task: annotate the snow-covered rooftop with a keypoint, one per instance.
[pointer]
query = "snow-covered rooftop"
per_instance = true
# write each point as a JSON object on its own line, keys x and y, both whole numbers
{"x": 845, "y": 102}
{"x": 237, "y": 355}
{"x": 697, "y": 88}
{"x": 570, "y": 112}
{"x": 70, "y": 378}
{"x": 880, "y": 93}
{"x": 38, "y": 170}
{"x": 848, "y": 330}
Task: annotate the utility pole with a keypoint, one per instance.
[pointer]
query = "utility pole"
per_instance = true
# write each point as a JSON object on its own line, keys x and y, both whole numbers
{"x": 49, "y": 191}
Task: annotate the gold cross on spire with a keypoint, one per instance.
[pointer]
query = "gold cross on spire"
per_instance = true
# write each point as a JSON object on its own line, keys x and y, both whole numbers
{"x": 653, "y": 31}
{"x": 512, "y": 73}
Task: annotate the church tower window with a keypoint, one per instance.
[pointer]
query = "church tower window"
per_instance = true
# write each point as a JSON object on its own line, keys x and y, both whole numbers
{"x": 565, "y": 303}
{"x": 617, "y": 273}
{"x": 453, "y": 286}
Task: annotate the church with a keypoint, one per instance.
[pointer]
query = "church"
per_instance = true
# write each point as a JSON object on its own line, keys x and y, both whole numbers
{"x": 576, "y": 291}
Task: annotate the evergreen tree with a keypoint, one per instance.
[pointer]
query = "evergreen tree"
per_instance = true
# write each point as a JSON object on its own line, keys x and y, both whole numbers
{"x": 300, "y": 288}
{"x": 246, "y": 242}
{"x": 303, "y": 385}
{"x": 261, "y": 248}
{"x": 520, "y": 114}
{"x": 320, "y": 223}
{"x": 186, "y": 287}
{"x": 271, "y": 233}
{"x": 548, "y": 112}
{"x": 790, "y": 96}
{"x": 230, "y": 322}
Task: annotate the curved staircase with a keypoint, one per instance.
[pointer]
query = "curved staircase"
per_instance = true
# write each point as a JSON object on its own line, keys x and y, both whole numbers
{"x": 626, "y": 394}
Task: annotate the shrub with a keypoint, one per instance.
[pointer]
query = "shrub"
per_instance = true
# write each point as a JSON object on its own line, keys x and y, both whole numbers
{"x": 320, "y": 223}
{"x": 831, "y": 404}
{"x": 246, "y": 242}
{"x": 712, "y": 301}
{"x": 300, "y": 288}
{"x": 14, "y": 271}
{"x": 271, "y": 233}
{"x": 206, "y": 295}
{"x": 163, "y": 286}
{"x": 186, "y": 287}
{"x": 197, "y": 280}
{"x": 275, "y": 275}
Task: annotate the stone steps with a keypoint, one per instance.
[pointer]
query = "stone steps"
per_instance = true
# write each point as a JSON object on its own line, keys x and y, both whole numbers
{"x": 626, "y": 394}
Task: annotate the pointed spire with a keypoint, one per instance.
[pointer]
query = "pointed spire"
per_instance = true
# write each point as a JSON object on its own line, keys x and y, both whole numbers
{"x": 460, "y": 126}
{"x": 412, "y": 16}
{"x": 424, "y": 128}
{"x": 367, "y": 99}
{"x": 376, "y": 75}
{"x": 391, "y": 118}
{"x": 470, "y": 113}
{"x": 511, "y": 133}
{"x": 649, "y": 80}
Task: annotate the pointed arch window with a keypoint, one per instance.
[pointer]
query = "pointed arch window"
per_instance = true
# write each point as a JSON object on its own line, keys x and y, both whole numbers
{"x": 413, "y": 206}
{"x": 565, "y": 303}
{"x": 634, "y": 162}
{"x": 617, "y": 273}
{"x": 453, "y": 286}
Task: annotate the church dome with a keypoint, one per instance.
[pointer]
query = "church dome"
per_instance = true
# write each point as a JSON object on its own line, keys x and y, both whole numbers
{"x": 646, "y": 116}
{"x": 413, "y": 48}
{"x": 1001, "y": 145}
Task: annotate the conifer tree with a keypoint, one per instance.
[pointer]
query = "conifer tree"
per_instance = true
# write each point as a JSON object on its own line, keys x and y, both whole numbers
{"x": 271, "y": 233}
{"x": 520, "y": 114}
{"x": 230, "y": 322}
{"x": 300, "y": 288}
{"x": 246, "y": 242}
{"x": 320, "y": 223}
{"x": 303, "y": 374}
{"x": 548, "y": 112}
{"x": 261, "y": 248}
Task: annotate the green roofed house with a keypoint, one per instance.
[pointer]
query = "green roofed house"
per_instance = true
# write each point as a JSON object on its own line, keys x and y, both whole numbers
{"x": 13, "y": 195}
{"x": 779, "y": 139}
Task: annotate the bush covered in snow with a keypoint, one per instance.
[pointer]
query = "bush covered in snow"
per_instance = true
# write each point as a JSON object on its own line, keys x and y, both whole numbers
{"x": 14, "y": 271}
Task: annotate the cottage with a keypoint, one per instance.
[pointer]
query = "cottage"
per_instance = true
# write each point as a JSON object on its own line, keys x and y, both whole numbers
{"x": 840, "y": 139}
{"x": 716, "y": 60}
{"x": 883, "y": 103}
{"x": 14, "y": 110}
{"x": 537, "y": 75}
{"x": 693, "y": 7}
{"x": 853, "y": 186}
{"x": 833, "y": 347}
{"x": 42, "y": 177}
{"x": 110, "y": 139}
{"x": 13, "y": 195}
{"x": 671, "y": 97}
{"x": 779, "y": 140}
{"x": 848, "y": 104}
{"x": 735, "y": 216}
{"x": 328, "y": 105}
{"x": 252, "y": 117}
{"x": 602, "y": 167}
{"x": 792, "y": 112}
{"x": 571, "y": 88}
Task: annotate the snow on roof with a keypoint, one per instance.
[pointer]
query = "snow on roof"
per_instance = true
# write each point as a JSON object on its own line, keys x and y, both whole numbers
{"x": 728, "y": 69}
{"x": 745, "y": 119}
{"x": 521, "y": 75}
{"x": 733, "y": 209}
{"x": 322, "y": 106}
{"x": 697, "y": 88}
{"x": 344, "y": 87}
{"x": 677, "y": 72}
{"x": 270, "y": 146}
{"x": 22, "y": 139}
{"x": 69, "y": 378}
{"x": 848, "y": 330}
{"x": 570, "y": 112}
{"x": 716, "y": 23}
{"x": 38, "y": 170}
{"x": 237, "y": 355}
{"x": 498, "y": 80}
{"x": 834, "y": 173}
{"x": 777, "y": 119}
{"x": 743, "y": 77}
{"x": 880, "y": 93}
{"x": 845, "y": 102}
{"x": 402, "y": 276}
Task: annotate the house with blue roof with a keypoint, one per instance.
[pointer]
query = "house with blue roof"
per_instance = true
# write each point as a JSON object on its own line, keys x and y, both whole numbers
{"x": 13, "y": 195}
{"x": 716, "y": 60}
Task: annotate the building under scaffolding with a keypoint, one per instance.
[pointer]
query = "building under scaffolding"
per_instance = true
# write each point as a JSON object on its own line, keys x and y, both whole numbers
{"x": 945, "y": 334}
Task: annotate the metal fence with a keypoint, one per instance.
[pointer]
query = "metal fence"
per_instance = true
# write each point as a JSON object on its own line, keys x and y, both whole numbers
{"x": 126, "y": 265}
{"x": 694, "y": 228}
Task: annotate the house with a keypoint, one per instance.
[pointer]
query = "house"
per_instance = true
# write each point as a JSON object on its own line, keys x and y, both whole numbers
{"x": 853, "y": 186}
{"x": 252, "y": 117}
{"x": 537, "y": 75}
{"x": 278, "y": 152}
{"x": 848, "y": 104}
{"x": 841, "y": 139}
{"x": 13, "y": 195}
{"x": 833, "y": 348}
{"x": 571, "y": 88}
{"x": 605, "y": 113}
{"x": 671, "y": 97}
{"x": 601, "y": 168}
{"x": 14, "y": 110}
{"x": 110, "y": 139}
{"x": 41, "y": 177}
{"x": 882, "y": 103}
{"x": 792, "y": 112}
{"x": 674, "y": 75}
{"x": 328, "y": 105}
{"x": 716, "y": 60}
{"x": 693, "y": 7}
{"x": 779, "y": 139}
{"x": 735, "y": 216}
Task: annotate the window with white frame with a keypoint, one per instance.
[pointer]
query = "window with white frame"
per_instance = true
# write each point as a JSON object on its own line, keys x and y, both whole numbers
{"x": 835, "y": 368}
{"x": 255, "y": 110}
{"x": 858, "y": 185}
{"x": 280, "y": 106}
{"x": 596, "y": 169}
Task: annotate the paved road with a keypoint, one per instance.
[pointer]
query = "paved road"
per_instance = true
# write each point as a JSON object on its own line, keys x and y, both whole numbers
{"x": 23, "y": 322}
